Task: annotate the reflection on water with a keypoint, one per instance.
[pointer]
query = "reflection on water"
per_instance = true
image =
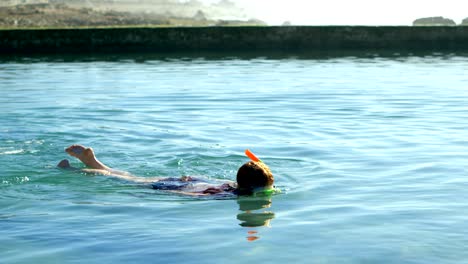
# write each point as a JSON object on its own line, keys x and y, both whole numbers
{"x": 254, "y": 214}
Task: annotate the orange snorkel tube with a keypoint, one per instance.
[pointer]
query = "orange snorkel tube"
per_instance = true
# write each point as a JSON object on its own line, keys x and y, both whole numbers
{"x": 249, "y": 154}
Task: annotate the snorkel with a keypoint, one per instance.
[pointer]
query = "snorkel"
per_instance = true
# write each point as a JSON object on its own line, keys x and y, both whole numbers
{"x": 252, "y": 156}
{"x": 262, "y": 191}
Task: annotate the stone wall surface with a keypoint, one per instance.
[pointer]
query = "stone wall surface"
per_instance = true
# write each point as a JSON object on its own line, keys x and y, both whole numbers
{"x": 221, "y": 39}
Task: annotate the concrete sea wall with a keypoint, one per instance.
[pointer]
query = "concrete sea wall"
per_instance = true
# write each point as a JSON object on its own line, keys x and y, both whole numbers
{"x": 228, "y": 39}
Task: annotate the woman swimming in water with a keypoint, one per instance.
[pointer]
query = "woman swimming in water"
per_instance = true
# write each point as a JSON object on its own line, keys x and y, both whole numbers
{"x": 252, "y": 177}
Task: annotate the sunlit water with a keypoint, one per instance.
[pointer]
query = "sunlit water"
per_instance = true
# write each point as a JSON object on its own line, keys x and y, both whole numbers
{"x": 370, "y": 152}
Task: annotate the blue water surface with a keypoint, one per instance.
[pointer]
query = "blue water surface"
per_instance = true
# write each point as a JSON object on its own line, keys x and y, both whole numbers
{"x": 370, "y": 151}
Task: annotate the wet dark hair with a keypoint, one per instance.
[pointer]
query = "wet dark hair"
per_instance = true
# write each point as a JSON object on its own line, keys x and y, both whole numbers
{"x": 253, "y": 175}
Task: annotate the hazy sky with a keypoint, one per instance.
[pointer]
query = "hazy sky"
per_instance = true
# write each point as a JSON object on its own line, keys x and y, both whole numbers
{"x": 352, "y": 12}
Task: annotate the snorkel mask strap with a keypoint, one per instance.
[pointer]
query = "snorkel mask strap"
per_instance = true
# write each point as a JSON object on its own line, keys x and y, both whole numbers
{"x": 265, "y": 191}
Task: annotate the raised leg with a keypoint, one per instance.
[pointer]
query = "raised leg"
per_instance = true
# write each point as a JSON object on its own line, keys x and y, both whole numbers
{"x": 86, "y": 155}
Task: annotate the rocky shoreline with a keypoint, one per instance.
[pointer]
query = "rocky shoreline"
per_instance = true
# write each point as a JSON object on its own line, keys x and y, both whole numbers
{"x": 46, "y": 15}
{"x": 438, "y": 21}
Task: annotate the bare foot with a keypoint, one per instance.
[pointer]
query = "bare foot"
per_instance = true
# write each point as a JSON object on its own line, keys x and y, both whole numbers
{"x": 64, "y": 164}
{"x": 86, "y": 155}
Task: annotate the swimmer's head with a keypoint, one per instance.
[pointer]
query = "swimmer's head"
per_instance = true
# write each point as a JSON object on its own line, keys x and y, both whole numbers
{"x": 254, "y": 175}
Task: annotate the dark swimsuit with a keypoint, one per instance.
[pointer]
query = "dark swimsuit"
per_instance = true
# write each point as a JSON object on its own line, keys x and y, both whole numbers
{"x": 174, "y": 184}
{"x": 178, "y": 184}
